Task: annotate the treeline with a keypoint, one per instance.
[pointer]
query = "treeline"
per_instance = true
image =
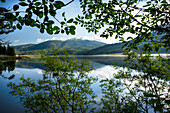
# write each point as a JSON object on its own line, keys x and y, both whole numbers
{"x": 7, "y": 50}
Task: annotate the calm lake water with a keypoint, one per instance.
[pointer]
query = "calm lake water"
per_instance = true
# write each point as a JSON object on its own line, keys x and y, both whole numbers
{"x": 31, "y": 68}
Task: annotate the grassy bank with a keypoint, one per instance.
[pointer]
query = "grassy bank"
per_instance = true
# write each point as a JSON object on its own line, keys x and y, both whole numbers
{"x": 6, "y": 57}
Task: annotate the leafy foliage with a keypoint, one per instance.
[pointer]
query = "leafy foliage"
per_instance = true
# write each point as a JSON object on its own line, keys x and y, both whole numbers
{"x": 65, "y": 86}
{"x": 143, "y": 85}
{"x": 147, "y": 89}
{"x": 115, "y": 98}
{"x": 127, "y": 16}
{"x": 35, "y": 14}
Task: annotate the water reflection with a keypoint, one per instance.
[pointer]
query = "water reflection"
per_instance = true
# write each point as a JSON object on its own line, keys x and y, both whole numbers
{"x": 65, "y": 87}
{"x": 98, "y": 62}
{"x": 7, "y": 66}
{"x": 33, "y": 68}
{"x": 133, "y": 87}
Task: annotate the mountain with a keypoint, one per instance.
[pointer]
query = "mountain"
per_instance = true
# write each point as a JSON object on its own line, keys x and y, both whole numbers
{"x": 73, "y": 46}
{"x": 106, "y": 49}
{"x": 114, "y": 48}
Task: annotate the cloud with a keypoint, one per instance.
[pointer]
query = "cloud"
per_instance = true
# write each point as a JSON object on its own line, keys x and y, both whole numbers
{"x": 61, "y": 38}
{"x": 41, "y": 40}
{"x": 104, "y": 72}
{"x": 110, "y": 40}
{"x": 100, "y": 39}
{"x": 17, "y": 72}
{"x": 40, "y": 72}
{"x": 16, "y": 41}
{"x": 54, "y": 38}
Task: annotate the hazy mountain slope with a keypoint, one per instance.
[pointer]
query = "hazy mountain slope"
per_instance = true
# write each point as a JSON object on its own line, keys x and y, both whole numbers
{"x": 23, "y": 47}
{"x": 113, "y": 48}
{"x": 44, "y": 45}
{"x": 106, "y": 49}
{"x": 72, "y": 45}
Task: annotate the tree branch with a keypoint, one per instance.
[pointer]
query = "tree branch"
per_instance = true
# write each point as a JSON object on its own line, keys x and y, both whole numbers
{"x": 66, "y": 4}
{"x": 157, "y": 29}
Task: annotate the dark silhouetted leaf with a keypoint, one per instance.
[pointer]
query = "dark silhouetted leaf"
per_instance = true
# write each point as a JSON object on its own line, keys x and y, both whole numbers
{"x": 23, "y": 4}
{"x": 11, "y": 77}
{"x": 15, "y": 7}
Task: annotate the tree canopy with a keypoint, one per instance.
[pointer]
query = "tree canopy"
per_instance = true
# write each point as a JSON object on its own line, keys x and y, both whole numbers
{"x": 147, "y": 20}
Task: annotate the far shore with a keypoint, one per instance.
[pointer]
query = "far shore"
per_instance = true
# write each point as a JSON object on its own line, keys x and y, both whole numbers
{"x": 117, "y": 55}
{"x": 102, "y": 55}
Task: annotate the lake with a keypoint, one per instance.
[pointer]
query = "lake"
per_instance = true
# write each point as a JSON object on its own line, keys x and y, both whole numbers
{"x": 12, "y": 71}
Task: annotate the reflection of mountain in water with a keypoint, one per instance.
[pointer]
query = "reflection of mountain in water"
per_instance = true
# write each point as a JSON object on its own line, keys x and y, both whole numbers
{"x": 105, "y": 60}
{"x": 97, "y": 61}
{"x": 29, "y": 65}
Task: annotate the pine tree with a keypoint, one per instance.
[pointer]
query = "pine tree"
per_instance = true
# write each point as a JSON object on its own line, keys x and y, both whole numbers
{"x": 3, "y": 50}
{"x": 10, "y": 51}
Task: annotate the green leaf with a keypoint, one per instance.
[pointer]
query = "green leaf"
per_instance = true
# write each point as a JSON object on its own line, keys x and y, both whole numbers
{"x": 72, "y": 27}
{"x": 62, "y": 31}
{"x": 72, "y": 30}
{"x": 37, "y": 4}
{"x": 63, "y": 14}
{"x": 50, "y": 22}
{"x": 15, "y": 7}
{"x": 40, "y": 14}
{"x": 150, "y": 95}
{"x": 42, "y": 30}
{"x": 49, "y": 30}
{"x": 167, "y": 101}
{"x": 19, "y": 26}
{"x": 75, "y": 22}
{"x": 56, "y": 29}
{"x": 58, "y": 4}
{"x": 62, "y": 23}
{"x": 23, "y": 4}
{"x": 70, "y": 21}
{"x": 153, "y": 101}
{"x": 52, "y": 12}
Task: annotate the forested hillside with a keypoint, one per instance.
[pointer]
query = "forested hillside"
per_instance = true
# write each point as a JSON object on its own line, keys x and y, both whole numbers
{"x": 73, "y": 46}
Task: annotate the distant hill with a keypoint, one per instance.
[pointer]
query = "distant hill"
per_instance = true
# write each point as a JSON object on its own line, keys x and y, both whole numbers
{"x": 73, "y": 46}
{"x": 106, "y": 49}
{"x": 113, "y": 48}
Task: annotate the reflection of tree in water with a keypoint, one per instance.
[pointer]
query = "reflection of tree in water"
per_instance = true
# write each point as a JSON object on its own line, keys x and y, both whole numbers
{"x": 145, "y": 90}
{"x": 61, "y": 90}
{"x": 10, "y": 66}
{"x": 65, "y": 87}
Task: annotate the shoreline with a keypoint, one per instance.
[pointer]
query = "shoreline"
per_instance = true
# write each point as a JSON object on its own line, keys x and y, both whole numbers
{"x": 102, "y": 55}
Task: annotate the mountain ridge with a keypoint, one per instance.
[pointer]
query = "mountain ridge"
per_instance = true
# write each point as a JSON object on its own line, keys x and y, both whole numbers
{"x": 73, "y": 46}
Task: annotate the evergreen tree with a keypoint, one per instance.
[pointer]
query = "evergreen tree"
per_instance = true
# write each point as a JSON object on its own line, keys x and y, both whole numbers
{"x": 1, "y": 48}
{"x": 3, "y": 52}
{"x": 10, "y": 51}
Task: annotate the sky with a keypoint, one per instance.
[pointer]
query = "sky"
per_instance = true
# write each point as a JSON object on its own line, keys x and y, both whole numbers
{"x": 32, "y": 35}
